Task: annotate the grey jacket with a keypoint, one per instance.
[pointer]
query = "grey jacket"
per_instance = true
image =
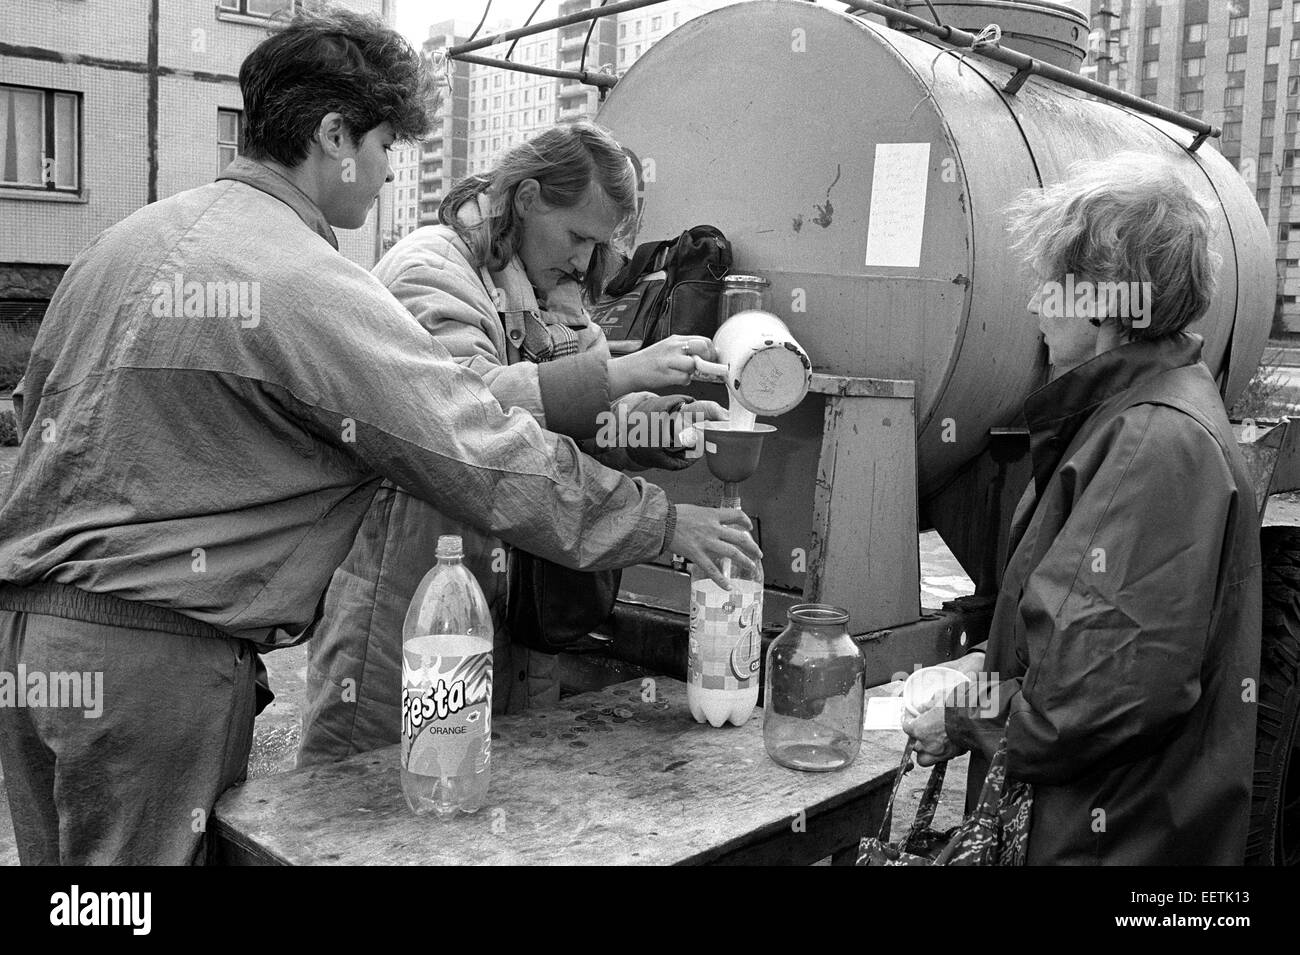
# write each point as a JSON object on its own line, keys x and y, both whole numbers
{"x": 213, "y": 452}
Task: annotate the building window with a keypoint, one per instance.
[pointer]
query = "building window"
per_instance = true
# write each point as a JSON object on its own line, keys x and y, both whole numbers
{"x": 1271, "y": 54}
{"x": 656, "y": 23}
{"x": 1237, "y": 26}
{"x": 545, "y": 47}
{"x": 639, "y": 25}
{"x": 1195, "y": 33}
{"x": 1275, "y": 18}
{"x": 622, "y": 30}
{"x": 1232, "y": 131}
{"x": 1194, "y": 67}
{"x": 1150, "y": 69}
{"x": 1153, "y": 36}
{"x": 1236, "y": 62}
{"x": 637, "y": 51}
{"x": 1295, "y": 13}
{"x": 1266, "y": 126}
{"x": 1288, "y": 159}
{"x": 622, "y": 54}
{"x": 496, "y": 122}
{"x": 1283, "y": 231}
{"x": 496, "y": 102}
{"x": 1270, "y": 90}
{"x": 260, "y": 8}
{"x": 40, "y": 139}
{"x": 1261, "y": 197}
{"x": 1292, "y": 121}
{"x": 510, "y": 100}
{"x": 1231, "y": 96}
{"x": 1192, "y": 100}
{"x": 496, "y": 142}
{"x": 230, "y": 127}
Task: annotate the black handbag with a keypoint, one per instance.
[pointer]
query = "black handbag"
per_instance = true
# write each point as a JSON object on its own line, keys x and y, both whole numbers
{"x": 670, "y": 287}
{"x": 551, "y": 607}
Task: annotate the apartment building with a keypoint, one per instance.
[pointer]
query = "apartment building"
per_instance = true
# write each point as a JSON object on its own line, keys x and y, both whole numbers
{"x": 1235, "y": 64}
{"x": 444, "y": 153}
{"x": 402, "y": 214}
{"x": 638, "y": 30}
{"x": 504, "y": 107}
{"x": 106, "y": 105}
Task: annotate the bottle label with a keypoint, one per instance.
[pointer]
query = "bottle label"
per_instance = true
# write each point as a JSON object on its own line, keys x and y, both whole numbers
{"x": 446, "y": 714}
{"x": 725, "y": 642}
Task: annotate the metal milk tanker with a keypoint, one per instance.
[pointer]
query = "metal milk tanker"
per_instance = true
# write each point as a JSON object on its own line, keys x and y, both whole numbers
{"x": 865, "y": 172}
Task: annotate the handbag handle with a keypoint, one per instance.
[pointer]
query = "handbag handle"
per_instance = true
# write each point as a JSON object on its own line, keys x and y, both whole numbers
{"x": 994, "y": 783}
{"x": 929, "y": 799}
{"x": 626, "y": 279}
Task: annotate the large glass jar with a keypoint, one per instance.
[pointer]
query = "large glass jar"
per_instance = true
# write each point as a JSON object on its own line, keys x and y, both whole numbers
{"x": 743, "y": 293}
{"x": 812, "y": 712}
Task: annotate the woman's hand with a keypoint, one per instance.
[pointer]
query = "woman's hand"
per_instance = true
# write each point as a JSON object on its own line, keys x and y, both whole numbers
{"x": 686, "y": 433}
{"x": 971, "y": 664}
{"x": 931, "y": 737}
{"x": 706, "y": 535}
{"x": 666, "y": 364}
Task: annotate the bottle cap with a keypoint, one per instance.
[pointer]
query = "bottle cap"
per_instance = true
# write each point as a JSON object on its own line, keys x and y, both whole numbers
{"x": 450, "y": 545}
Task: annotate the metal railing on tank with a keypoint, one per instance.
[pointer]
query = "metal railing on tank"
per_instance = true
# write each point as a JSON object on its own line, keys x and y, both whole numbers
{"x": 600, "y": 79}
{"x": 959, "y": 40}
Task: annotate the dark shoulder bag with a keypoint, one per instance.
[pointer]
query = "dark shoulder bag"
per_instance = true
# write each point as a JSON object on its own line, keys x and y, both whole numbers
{"x": 670, "y": 287}
{"x": 550, "y": 607}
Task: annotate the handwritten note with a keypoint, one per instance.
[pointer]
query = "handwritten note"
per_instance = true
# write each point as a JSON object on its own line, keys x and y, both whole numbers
{"x": 896, "y": 219}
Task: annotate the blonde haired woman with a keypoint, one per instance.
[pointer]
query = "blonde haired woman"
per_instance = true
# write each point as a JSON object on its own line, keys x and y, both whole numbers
{"x": 499, "y": 284}
{"x": 1129, "y": 612}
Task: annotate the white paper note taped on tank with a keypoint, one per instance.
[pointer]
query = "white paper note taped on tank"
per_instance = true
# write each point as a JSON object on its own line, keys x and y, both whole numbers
{"x": 896, "y": 218}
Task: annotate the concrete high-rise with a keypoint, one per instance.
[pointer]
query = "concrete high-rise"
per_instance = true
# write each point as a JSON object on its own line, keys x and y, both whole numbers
{"x": 1235, "y": 64}
{"x": 106, "y": 105}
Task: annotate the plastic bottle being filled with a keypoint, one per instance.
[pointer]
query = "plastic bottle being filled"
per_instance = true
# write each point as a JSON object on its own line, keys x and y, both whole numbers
{"x": 447, "y": 689}
{"x": 725, "y": 643}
